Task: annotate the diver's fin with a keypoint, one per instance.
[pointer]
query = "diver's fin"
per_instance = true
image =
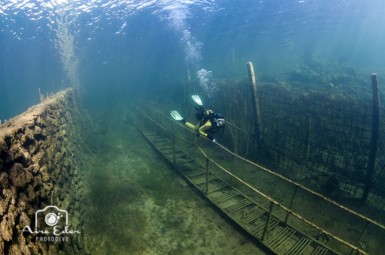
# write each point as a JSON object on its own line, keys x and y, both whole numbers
{"x": 176, "y": 116}
{"x": 197, "y": 99}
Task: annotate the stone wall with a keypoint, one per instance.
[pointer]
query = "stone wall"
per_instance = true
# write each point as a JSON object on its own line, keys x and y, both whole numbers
{"x": 39, "y": 168}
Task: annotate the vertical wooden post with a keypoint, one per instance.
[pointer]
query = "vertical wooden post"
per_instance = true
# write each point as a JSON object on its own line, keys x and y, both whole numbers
{"x": 307, "y": 138}
{"x": 291, "y": 203}
{"x": 373, "y": 139}
{"x": 267, "y": 222}
{"x": 255, "y": 101}
{"x": 361, "y": 236}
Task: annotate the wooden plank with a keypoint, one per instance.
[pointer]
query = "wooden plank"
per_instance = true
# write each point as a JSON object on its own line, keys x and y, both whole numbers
{"x": 215, "y": 186}
{"x": 165, "y": 148}
{"x": 257, "y": 231}
{"x": 199, "y": 180}
{"x": 299, "y": 247}
{"x": 252, "y": 215}
{"x": 280, "y": 238}
{"x": 226, "y": 195}
{"x": 183, "y": 161}
{"x": 238, "y": 206}
{"x": 320, "y": 251}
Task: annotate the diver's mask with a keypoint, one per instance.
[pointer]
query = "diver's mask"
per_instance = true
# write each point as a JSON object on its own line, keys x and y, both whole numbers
{"x": 220, "y": 121}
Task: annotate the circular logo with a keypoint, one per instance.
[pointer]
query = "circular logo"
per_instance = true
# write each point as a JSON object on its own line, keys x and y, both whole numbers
{"x": 51, "y": 219}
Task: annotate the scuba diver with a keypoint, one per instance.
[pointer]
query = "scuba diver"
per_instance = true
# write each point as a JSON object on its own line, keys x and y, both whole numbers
{"x": 209, "y": 121}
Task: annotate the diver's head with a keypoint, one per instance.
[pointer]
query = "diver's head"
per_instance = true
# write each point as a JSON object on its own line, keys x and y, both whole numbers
{"x": 219, "y": 119}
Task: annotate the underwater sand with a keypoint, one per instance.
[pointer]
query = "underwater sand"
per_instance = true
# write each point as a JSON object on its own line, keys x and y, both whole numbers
{"x": 136, "y": 204}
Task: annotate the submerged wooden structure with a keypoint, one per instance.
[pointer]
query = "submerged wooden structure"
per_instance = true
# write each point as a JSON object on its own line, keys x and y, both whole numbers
{"x": 286, "y": 222}
{"x": 327, "y": 138}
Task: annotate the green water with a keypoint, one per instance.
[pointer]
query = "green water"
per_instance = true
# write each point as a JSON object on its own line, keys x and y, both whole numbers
{"x": 136, "y": 204}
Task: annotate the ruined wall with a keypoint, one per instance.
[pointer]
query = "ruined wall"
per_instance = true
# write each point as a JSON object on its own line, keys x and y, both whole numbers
{"x": 38, "y": 168}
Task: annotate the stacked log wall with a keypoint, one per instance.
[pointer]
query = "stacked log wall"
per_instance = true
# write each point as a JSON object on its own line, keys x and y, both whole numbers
{"x": 38, "y": 168}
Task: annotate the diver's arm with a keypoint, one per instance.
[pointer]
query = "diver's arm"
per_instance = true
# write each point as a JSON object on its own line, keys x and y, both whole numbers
{"x": 204, "y": 127}
{"x": 202, "y": 133}
{"x": 207, "y": 135}
{"x": 200, "y": 130}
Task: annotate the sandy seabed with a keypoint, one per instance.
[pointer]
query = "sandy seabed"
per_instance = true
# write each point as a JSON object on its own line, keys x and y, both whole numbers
{"x": 136, "y": 204}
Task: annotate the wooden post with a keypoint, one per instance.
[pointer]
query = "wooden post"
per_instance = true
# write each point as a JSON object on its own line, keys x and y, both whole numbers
{"x": 361, "y": 236}
{"x": 373, "y": 139}
{"x": 291, "y": 203}
{"x": 255, "y": 101}
{"x": 267, "y": 222}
